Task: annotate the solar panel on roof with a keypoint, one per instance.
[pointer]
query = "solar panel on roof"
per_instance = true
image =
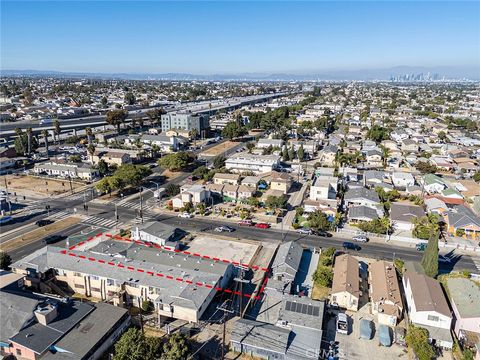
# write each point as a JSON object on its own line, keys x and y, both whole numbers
{"x": 304, "y": 308}
{"x": 288, "y": 306}
{"x": 310, "y": 310}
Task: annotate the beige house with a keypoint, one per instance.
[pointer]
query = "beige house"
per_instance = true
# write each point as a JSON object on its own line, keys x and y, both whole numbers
{"x": 224, "y": 179}
{"x": 385, "y": 296}
{"x": 346, "y": 283}
{"x": 111, "y": 157}
{"x": 194, "y": 194}
{"x": 280, "y": 181}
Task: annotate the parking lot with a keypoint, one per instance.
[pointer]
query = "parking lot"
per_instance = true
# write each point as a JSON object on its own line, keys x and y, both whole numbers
{"x": 351, "y": 346}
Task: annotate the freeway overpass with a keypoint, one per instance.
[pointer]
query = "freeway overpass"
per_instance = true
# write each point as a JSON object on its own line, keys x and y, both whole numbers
{"x": 211, "y": 107}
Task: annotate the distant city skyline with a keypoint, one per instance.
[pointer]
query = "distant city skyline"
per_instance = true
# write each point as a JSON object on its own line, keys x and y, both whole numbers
{"x": 232, "y": 38}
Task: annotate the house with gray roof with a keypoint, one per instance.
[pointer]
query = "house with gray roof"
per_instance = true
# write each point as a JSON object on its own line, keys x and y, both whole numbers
{"x": 157, "y": 232}
{"x": 40, "y": 327}
{"x": 462, "y": 219}
{"x": 359, "y": 213}
{"x": 465, "y": 300}
{"x": 285, "y": 267}
{"x": 295, "y": 334}
{"x": 361, "y": 196}
{"x": 402, "y": 215}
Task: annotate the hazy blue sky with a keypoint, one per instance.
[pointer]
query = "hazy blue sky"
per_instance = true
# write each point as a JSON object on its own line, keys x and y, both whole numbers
{"x": 221, "y": 37}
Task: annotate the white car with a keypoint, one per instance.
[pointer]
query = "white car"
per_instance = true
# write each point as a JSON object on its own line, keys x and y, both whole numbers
{"x": 185, "y": 215}
{"x": 304, "y": 231}
{"x": 360, "y": 238}
{"x": 342, "y": 323}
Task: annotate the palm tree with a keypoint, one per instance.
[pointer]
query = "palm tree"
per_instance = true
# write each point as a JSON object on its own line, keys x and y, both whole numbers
{"x": 155, "y": 149}
{"x": 91, "y": 151}
{"x": 89, "y": 132}
{"x": 57, "y": 130}
{"x": 194, "y": 134}
{"x": 45, "y": 139}
{"x": 29, "y": 140}
{"x": 385, "y": 155}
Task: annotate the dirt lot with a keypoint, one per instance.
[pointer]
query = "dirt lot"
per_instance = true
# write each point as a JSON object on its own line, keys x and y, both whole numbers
{"x": 29, "y": 184}
{"x": 218, "y": 149}
{"x": 39, "y": 233}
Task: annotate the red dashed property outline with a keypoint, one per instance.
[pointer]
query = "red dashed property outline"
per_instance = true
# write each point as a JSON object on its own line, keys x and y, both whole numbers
{"x": 151, "y": 273}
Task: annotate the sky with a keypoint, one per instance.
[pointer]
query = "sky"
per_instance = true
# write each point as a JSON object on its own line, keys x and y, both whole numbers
{"x": 237, "y": 37}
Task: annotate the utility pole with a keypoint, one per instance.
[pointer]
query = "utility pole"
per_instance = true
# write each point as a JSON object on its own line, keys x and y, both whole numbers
{"x": 240, "y": 279}
{"x": 225, "y": 311}
{"x": 141, "y": 204}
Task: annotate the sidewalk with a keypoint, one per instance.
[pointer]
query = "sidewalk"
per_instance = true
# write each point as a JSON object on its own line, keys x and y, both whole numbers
{"x": 410, "y": 242}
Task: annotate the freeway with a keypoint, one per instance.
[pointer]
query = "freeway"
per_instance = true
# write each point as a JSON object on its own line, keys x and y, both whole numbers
{"x": 8, "y": 129}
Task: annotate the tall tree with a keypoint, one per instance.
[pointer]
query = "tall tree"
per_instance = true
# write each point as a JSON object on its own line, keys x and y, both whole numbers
{"x": 430, "y": 257}
{"x": 91, "y": 151}
{"x": 130, "y": 98}
{"x": 155, "y": 115}
{"x": 176, "y": 348}
{"x": 116, "y": 118}
{"x": 193, "y": 135}
{"x": 29, "y": 140}
{"x": 57, "y": 129}
{"x": 45, "y": 139}
{"x": 301, "y": 153}
{"x": 233, "y": 130}
{"x": 89, "y": 133}
{"x": 21, "y": 146}
{"x": 285, "y": 153}
{"x": 291, "y": 153}
{"x": 385, "y": 155}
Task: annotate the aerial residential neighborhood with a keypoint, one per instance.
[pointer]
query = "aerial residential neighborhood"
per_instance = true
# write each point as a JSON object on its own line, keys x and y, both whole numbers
{"x": 209, "y": 204}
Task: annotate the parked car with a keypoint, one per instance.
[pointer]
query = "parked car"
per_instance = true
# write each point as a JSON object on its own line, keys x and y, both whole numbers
{"x": 342, "y": 323}
{"x": 224, "y": 228}
{"x": 385, "y": 335}
{"x": 262, "y": 225}
{"x": 421, "y": 247}
{"x": 43, "y": 222}
{"x": 305, "y": 231}
{"x": 246, "y": 223}
{"x": 349, "y": 245}
{"x": 185, "y": 215}
{"x": 366, "y": 329}
{"x": 360, "y": 238}
{"x": 444, "y": 259}
{"x": 323, "y": 233}
{"x": 52, "y": 239}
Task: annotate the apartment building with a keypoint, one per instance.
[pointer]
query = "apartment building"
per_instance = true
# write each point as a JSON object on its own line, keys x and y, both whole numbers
{"x": 119, "y": 285}
{"x": 185, "y": 121}
{"x": 258, "y": 164}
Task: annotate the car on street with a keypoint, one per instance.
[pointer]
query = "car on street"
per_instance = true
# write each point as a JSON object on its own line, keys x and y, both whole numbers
{"x": 323, "y": 233}
{"x": 350, "y": 246}
{"x": 224, "y": 228}
{"x": 421, "y": 247}
{"x": 305, "y": 231}
{"x": 360, "y": 238}
{"x": 262, "y": 225}
{"x": 246, "y": 223}
{"x": 43, "y": 222}
{"x": 185, "y": 215}
{"x": 444, "y": 259}
{"x": 52, "y": 239}
{"x": 342, "y": 323}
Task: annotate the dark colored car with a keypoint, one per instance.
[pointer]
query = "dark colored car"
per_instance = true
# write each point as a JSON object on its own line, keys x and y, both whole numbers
{"x": 351, "y": 246}
{"x": 52, "y": 239}
{"x": 44, "y": 222}
{"x": 323, "y": 233}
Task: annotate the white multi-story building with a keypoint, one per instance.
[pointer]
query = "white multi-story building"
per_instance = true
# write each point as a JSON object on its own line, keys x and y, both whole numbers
{"x": 324, "y": 188}
{"x": 258, "y": 164}
{"x": 427, "y": 307}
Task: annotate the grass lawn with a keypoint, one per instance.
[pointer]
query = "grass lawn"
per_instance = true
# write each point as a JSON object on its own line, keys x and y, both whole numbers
{"x": 320, "y": 292}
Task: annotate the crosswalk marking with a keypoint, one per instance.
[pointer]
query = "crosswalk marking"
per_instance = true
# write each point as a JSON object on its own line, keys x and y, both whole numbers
{"x": 476, "y": 261}
{"x": 99, "y": 221}
{"x": 59, "y": 214}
